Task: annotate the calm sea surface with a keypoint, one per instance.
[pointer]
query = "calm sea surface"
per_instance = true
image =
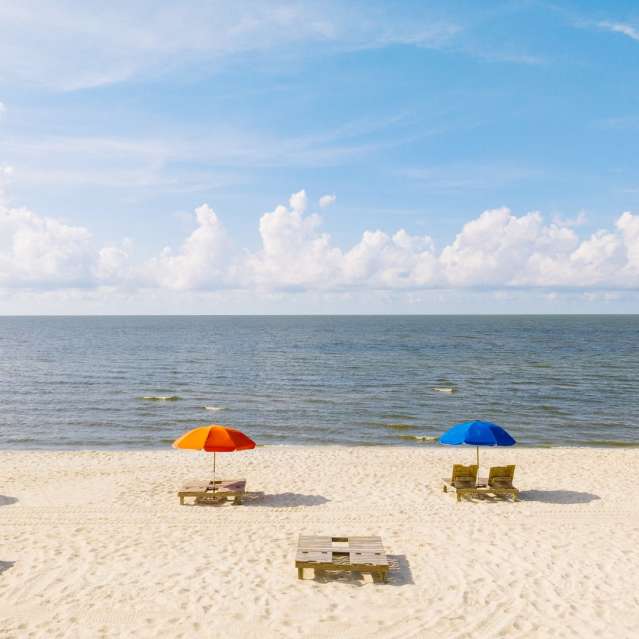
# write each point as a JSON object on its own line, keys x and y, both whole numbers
{"x": 138, "y": 382}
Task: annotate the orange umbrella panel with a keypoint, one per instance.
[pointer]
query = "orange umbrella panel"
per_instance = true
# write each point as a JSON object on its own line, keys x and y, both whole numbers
{"x": 215, "y": 439}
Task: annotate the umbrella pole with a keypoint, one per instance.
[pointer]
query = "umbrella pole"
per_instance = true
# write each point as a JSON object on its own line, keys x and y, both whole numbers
{"x": 477, "y": 456}
{"x": 213, "y": 471}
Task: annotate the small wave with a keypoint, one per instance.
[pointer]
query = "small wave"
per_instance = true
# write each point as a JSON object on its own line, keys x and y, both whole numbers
{"x": 161, "y": 398}
{"x": 215, "y": 409}
{"x": 444, "y": 389}
{"x": 399, "y": 426}
{"x": 609, "y": 443}
{"x": 547, "y": 408}
{"x": 420, "y": 438}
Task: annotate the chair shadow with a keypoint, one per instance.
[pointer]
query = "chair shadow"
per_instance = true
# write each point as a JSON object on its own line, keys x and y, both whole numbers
{"x": 558, "y": 496}
{"x": 283, "y": 500}
{"x": 7, "y": 501}
{"x": 399, "y": 574}
{"x": 5, "y": 565}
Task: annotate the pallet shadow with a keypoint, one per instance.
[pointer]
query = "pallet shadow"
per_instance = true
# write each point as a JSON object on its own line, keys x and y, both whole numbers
{"x": 5, "y": 565}
{"x": 399, "y": 574}
{"x": 7, "y": 501}
{"x": 558, "y": 496}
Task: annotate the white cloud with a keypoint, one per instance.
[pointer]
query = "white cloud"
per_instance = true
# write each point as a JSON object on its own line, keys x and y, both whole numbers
{"x": 497, "y": 250}
{"x": 3, "y": 109}
{"x": 298, "y": 201}
{"x": 327, "y": 200}
{"x": 620, "y": 27}
{"x": 294, "y": 253}
{"x": 92, "y": 44}
{"x": 201, "y": 261}
{"x": 39, "y": 251}
{"x": 6, "y": 172}
{"x": 382, "y": 261}
{"x": 113, "y": 264}
{"x": 628, "y": 225}
{"x": 579, "y": 220}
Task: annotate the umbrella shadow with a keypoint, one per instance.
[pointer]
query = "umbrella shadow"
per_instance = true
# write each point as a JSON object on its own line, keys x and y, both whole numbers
{"x": 283, "y": 500}
{"x": 5, "y": 565}
{"x": 399, "y": 574}
{"x": 558, "y": 496}
{"x": 7, "y": 501}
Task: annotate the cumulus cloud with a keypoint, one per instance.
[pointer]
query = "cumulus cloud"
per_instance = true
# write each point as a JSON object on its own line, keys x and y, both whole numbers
{"x": 40, "y": 251}
{"x": 6, "y": 172}
{"x": 379, "y": 260}
{"x": 498, "y": 250}
{"x": 327, "y": 200}
{"x": 45, "y": 253}
{"x": 113, "y": 264}
{"x": 201, "y": 261}
{"x": 294, "y": 252}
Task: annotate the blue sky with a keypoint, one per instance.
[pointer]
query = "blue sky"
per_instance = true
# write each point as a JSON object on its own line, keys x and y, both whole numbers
{"x": 498, "y": 138}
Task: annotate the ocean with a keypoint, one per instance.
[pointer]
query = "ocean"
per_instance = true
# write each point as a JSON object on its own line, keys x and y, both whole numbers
{"x": 139, "y": 382}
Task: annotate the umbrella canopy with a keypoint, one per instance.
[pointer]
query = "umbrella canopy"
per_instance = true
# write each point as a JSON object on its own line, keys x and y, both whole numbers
{"x": 477, "y": 433}
{"x": 214, "y": 439}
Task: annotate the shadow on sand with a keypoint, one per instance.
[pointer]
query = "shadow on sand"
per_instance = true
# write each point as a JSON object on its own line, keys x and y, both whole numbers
{"x": 5, "y": 565}
{"x": 7, "y": 501}
{"x": 399, "y": 574}
{"x": 284, "y": 500}
{"x": 557, "y": 496}
{"x": 281, "y": 500}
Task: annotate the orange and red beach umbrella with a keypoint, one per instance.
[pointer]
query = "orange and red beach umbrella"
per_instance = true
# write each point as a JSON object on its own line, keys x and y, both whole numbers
{"x": 214, "y": 439}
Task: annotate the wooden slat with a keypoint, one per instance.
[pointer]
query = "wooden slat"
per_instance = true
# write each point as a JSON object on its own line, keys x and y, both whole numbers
{"x": 205, "y": 492}
{"x": 359, "y": 554}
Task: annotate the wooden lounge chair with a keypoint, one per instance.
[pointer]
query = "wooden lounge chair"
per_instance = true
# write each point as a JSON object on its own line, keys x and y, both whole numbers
{"x": 350, "y": 554}
{"x": 463, "y": 480}
{"x": 500, "y": 481}
{"x": 208, "y": 492}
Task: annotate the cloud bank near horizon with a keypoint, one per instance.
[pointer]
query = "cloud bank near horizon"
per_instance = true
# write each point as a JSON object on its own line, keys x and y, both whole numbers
{"x": 497, "y": 250}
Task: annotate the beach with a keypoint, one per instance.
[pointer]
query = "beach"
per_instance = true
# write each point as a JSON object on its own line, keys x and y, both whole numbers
{"x": 95, "y": 544}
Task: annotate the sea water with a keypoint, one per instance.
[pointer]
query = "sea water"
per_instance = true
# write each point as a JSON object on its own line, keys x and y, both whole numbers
{"x": 139, "y": 382}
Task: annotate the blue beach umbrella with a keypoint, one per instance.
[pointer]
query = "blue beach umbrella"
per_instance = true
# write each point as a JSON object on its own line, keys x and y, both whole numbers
{"x": 477, "y": 433}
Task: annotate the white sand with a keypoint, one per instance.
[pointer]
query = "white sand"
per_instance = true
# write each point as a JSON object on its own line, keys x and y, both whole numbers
{"x": 95, "y": 544}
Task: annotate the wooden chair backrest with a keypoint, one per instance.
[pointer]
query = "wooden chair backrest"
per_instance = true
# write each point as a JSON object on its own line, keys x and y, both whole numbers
{"x": 501, "y": 476}
{"x": 465, "y": 476}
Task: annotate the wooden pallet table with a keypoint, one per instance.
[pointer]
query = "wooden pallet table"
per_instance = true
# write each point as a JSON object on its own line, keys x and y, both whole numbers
{"x": 349, "y": 554}
{"x": 208, "y": 492}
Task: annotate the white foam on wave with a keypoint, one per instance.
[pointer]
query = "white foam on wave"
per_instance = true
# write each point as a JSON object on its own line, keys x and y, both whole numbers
{"x": 161, "y": 398}
{"x": 420, "y": 438}
{"x": 444, "y": 389}
{"x": 214, "y": 408}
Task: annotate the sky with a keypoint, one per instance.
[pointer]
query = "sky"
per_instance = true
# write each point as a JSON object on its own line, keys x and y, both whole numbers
{"x": 319, "y": 157}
